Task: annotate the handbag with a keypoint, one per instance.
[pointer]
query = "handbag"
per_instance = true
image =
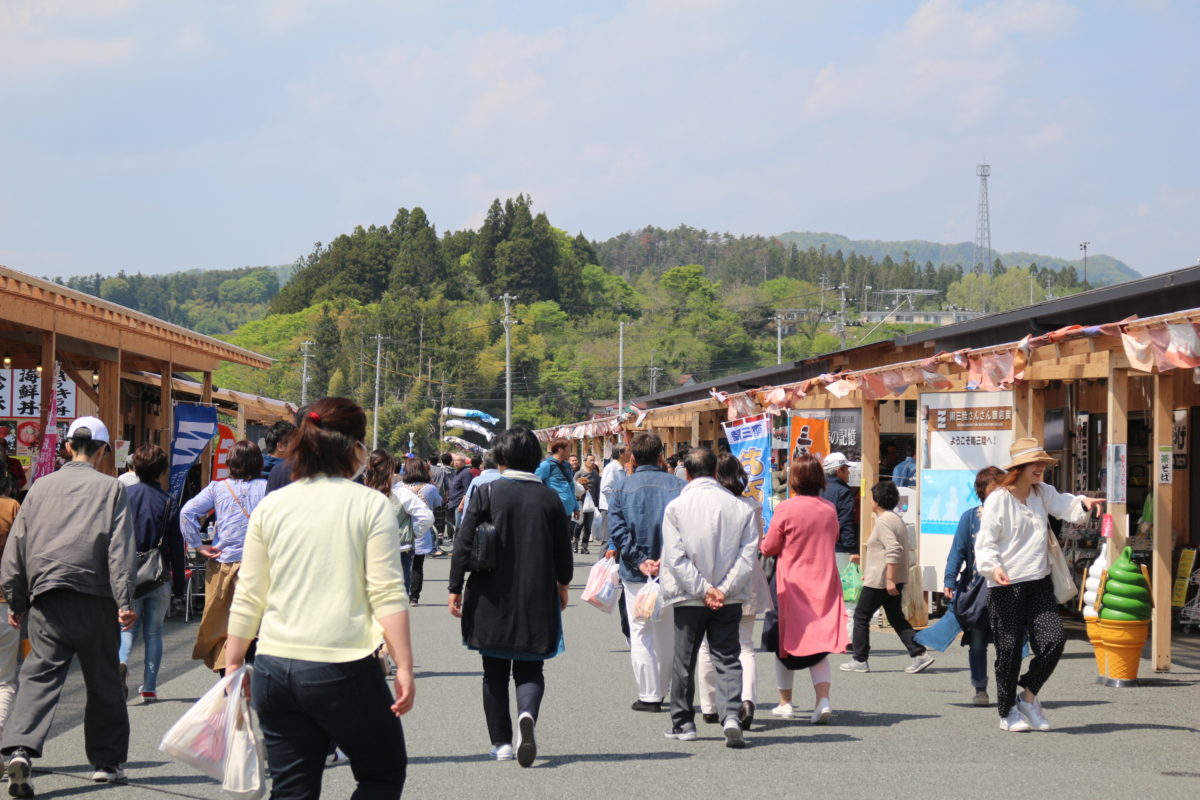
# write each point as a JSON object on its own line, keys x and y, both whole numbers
{"x": 1060, "y": 574}
{"x": 152, "y": 569}
{"x": 483, "y": 544}
{"x": 971, "y": 602}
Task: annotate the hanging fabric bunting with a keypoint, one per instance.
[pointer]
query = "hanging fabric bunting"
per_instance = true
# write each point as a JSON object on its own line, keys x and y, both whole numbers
{"x": 469, "y": 413}
{"x": 842, "y": 387}
{"x": 992, "y": 372}
{"x": 1021, "y": 359}
{"x": 895, "y": 382}
{"x": 1160, "y": 340}
{"x": 873, "y": 386}
{"x": 1184, "y": 349}
{"x": 936, "y": 380}
{"x": 468, "y": 425}
{"x": 463, "y": 443}
{"x": 974, "y": 373}
{"x": 741, "y": 405}
{"x": 1138, "y": 349}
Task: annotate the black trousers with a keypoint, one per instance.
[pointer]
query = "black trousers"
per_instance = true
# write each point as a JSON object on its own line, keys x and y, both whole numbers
{"x": 692, "y": 625}
{"x": 531, "y": 686}
{"x": 1014, "y": 611}
{"x": 303, "y": 706}
{"x": 64, "y": 624}
{"x": 870, "y": 601}
{"x": 417, "y": 579}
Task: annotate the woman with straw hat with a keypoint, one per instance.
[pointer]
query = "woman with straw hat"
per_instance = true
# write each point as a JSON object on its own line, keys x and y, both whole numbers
{"x": 1012, "y": 553}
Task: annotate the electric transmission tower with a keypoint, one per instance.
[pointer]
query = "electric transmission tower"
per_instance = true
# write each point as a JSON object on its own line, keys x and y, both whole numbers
{"x": 982, "y": 258}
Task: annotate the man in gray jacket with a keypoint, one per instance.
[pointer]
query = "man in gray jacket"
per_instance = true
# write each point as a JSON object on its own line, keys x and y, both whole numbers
{"x": 71, "y": 566}
{"x": 710, "y": 542}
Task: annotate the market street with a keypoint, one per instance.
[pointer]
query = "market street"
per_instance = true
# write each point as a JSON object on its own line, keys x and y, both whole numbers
{"x": 892, "y": 734}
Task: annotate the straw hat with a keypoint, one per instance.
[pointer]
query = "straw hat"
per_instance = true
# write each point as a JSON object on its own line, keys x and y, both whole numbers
{"x": 1028, "y": 451}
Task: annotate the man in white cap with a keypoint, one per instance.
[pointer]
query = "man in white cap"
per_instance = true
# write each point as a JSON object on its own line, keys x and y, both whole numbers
{"x": 838, "y": 492}
{"x": 70, "y": 566}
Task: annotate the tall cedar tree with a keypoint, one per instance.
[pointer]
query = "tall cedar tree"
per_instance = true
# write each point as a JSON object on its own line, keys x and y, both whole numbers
{"x": 324, "y": 356}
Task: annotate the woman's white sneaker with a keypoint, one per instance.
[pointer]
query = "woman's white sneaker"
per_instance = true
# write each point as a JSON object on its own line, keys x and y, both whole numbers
{"x": 502, "y": 752}
{"x": 1032, "y": 712}
{"x": 822, "y": 713}
{"x": 784, "y": 710}
{"x": 1014, "y": 722}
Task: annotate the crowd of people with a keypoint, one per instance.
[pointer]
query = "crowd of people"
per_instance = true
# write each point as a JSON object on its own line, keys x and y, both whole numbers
{"x": 90, "y": 564}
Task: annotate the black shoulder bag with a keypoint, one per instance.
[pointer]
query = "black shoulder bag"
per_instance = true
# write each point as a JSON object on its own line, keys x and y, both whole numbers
{"x": 152, "y": 569}
{"x": 483, "y": 546}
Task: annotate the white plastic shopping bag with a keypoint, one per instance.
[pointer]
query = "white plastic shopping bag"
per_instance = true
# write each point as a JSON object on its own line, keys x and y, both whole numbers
{"x": 217, "y": 730}
{"x": 602, "y": 585}
{"x": 649, "y": 602}
{"x": 245, "y": 759}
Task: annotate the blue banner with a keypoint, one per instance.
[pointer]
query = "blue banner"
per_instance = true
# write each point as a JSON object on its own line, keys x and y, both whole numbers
{"x": 750, "y": 443}
{"x": 195, "y": 427}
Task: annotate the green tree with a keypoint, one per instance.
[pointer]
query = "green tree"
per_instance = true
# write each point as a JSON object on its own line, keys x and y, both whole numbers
{"x": 324, "y": 353}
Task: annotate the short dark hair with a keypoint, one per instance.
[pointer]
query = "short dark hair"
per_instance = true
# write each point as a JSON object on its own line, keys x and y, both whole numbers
{"x": 731, "y": 474}
{"x": 886, "y": 495}
{"x": 985, "y": 478}
{"x": 83, "y": 443}
{"x": 8, "y": 484}
{"x": 415, "y": 471}
{"x": 149, "y": 461}
{"x": 806, "y": 476}
{"x": 700, "y": 462}
{"x": 447, "y": 458}
{"x": 328, "y": 435}
{"x": 560, "y": 443}
{"x": 489, "y": 460}
{"x": 476, "y": 461}
{"x": 381, "y": 472}
{"x": 276, "y": 435}
{"x": 518, "y": 448}
{"x": 672, "y": 461}
{"x": 647, "y": 447}
{"x": 245, "y": 461}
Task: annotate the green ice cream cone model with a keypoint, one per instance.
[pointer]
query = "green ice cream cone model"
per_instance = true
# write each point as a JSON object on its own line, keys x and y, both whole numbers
{"x": 1124, "y": 618}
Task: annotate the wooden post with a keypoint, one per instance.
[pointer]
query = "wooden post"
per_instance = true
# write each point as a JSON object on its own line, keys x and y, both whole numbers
{"x": 1160, "y": 576}
{"x": 241, "y": 422}
{"x": 206, "y": 391}
{"x": 870, "y": 469}
{"x": 695, "y": 440}
{"x": 1037, "y": 412}
{"x": 166, "y": 415}
{"x": 1022, "y": 410}
{"x": 1118, "y": 433}
{"x": 110, "y": 408}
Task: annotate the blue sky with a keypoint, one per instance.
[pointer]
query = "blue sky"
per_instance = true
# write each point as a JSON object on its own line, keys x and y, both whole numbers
{"x": 157, "y": 136}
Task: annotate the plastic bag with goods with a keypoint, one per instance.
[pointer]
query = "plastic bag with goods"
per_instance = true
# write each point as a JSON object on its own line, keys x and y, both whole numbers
{"x": 649, "y": 602}
{"x": 602, "y": 585}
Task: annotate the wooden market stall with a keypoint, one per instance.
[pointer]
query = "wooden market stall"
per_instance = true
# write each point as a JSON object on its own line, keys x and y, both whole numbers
{"x": 102, "y": 347}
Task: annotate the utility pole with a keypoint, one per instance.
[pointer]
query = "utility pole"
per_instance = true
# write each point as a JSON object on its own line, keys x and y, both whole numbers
{"x": 508, "y": 321}
{"x": 304, "y": 375}
{"x": 621, "y": 368}
{"x": 441, "y": 416}
{"x": 1084, "y": 246}
{"x": 778, "y": 338}
{"x": 654, "y": 372}
{"x": 842, "y": 318}
{"x": 375, "y": 416}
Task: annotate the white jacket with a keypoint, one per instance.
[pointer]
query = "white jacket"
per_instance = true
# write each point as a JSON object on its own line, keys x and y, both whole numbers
{"x": 709, "y": 540}
{"x": 612, "y": 470}
{"x": 1013, "y": 534}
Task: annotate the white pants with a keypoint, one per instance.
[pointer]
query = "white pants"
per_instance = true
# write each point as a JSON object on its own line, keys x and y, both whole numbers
{"x": 651, "y": 648}
{"x": 705, "y": 672}
{"x": 785, "y": 678}
{"x": 10, "y": 647}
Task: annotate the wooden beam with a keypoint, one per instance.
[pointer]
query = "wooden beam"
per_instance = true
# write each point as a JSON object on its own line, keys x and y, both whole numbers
{"x": 870, "y": 470}
{"x": 110, "y": 409}
{"x": 241, "y": 423}
{"x": 166, "y": 413}
{"x": 206, "y": 393}
{"x": 1118, "y": 433}
{"x": 1164, "y": 500}
{"x": 84, "y": 384}
{"x": 49, "y": 377}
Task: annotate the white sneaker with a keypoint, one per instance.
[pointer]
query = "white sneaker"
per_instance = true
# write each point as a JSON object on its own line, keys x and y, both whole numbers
{"x": 919, "y": 663}
{"x": 336, "y": 757}
{"x": 1032, "y": 712}
{"x": 733, "y": 734}
{"x": 1014, "y": 722}
{"x": 853, "y": 665}
{"x": 502, "y": 752}
{"x": 526, "y": 744}
{"x": 109, "y": 775}
{"x": 20, "y": 771}
{"x": 822, "y": 713}
{"x": 784, "y": 710}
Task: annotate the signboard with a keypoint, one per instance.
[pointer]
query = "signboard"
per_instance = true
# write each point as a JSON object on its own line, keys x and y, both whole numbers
{"x": 1165, "y": 463}
{"x": 1117, "y": 468}
{"x": 845, "y": 432}
{"x": 21, "y": 394}
{"x": 1183, "y": 576}
{"x": 750, "y": 443}
{"x": 1179, "y": 438}
{"x": 806, "y": 434}
{"x": 225, "y": 440}
{"x": 960, "y": 434}
{"x": 49, "y": 449}
{"x": 1079, "y": 451}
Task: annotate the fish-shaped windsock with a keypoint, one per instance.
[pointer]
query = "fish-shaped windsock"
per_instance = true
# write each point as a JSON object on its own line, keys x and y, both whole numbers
{"x": 463, "y": 443}
{"x": 469, "y": 413}
{"x": 468, "y": 425}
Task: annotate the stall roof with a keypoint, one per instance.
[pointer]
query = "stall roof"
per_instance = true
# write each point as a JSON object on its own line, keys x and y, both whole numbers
{"x": 38, "y": 304}
{"x": 258, "y": 409}
{"x": 1145, "y": 297}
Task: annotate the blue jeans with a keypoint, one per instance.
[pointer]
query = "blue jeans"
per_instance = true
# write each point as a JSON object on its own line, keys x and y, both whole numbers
{"x": 303, "y": 706}
{"x": 151, "y": 612}
{"x": 977, "y": 642}
{"x": 406, "y": 562}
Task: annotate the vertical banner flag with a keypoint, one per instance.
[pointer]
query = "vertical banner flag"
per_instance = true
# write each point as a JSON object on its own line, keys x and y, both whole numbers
{"x": 195, "y": 427}
{"x": 807, "y": 435}
{"x": 225, "y": 440}
{"x": 750, "y": 443}
{"x": 45, "y": 459}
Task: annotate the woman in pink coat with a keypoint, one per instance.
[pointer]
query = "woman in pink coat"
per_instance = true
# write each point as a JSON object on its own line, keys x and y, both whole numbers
{"x": 803, "y": 533}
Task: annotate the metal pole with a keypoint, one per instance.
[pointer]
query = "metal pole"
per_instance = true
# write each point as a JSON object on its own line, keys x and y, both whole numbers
{"x": 621, "y": 369}
{"x": 842, "y": 322}
{"x": 507, "y": 298}
{"x": 375, "y": 416}
{"x": 1084, "y": 246}
{"x": 653, "y": 375}
{"x": 304, "y": 375}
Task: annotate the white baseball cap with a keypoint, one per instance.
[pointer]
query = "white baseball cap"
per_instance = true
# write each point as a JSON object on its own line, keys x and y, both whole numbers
{"x": 97, "y": 429}
{"x": 833, "y": 462}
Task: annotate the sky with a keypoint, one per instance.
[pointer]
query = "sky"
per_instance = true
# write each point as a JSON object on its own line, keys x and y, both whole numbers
{"x": 155, "y": 136}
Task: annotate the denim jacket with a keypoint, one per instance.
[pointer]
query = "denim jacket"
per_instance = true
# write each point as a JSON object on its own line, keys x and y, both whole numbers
{"x": 962, "y": 551}
{"x": 635, "y": 508}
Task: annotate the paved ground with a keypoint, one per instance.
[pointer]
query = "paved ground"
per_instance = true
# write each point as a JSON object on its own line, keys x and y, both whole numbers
{"x": 893, "y": 734}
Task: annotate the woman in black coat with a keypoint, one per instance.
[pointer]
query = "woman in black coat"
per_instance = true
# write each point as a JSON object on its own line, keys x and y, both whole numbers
{"x": 512, "y": 615}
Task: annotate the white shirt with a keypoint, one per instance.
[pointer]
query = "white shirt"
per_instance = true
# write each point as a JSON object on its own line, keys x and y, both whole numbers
{"x": 415, "y": 507}
{"x": 128, "y": 478}
{"x": 611, "y": 471}
{"x": 1013, "y": 534}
